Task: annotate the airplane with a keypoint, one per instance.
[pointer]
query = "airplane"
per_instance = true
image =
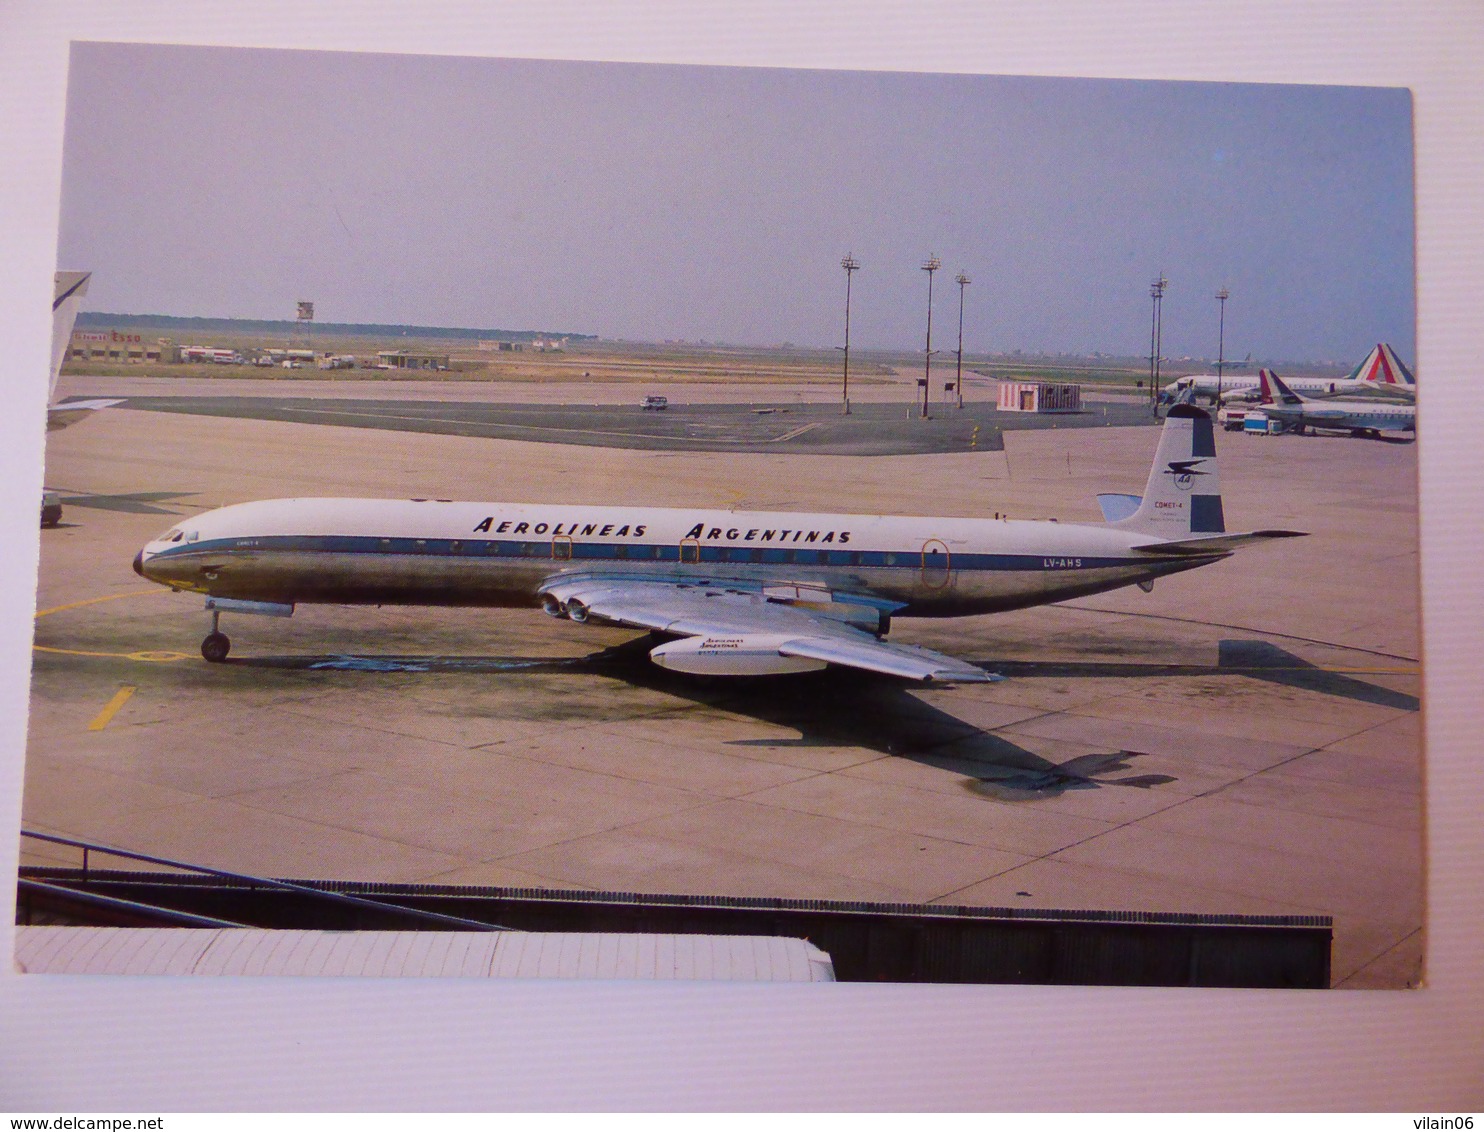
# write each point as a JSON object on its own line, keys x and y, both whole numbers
{"x": 69, "y": 289}
{"x": 1361, "y": 417}
{"x": 1380, "y": 373}
{"x": 734, "y": 593}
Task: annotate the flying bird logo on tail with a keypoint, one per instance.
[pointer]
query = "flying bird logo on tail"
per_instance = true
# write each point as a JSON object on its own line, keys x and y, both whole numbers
{"x": 1183, "y": 472}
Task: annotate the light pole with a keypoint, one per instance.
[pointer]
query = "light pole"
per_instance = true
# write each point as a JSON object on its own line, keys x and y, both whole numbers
{"x": 963, "y": 281}
{"x": 1221, "y": 295}
{"x": 1157, "y": 293}
{"x": 851, "y": 267}
{"x": 932, "y": 265}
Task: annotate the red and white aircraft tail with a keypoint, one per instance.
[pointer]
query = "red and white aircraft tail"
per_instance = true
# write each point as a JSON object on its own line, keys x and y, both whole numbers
{"x": 1383, "y": 367}
{"x": 1274, "y": 392}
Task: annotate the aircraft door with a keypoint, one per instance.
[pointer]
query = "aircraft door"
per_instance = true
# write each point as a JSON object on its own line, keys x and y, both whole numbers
{"x": 690, "y": 550}
{"x": 561, "y": 547}
{"x": 936, "y": 563}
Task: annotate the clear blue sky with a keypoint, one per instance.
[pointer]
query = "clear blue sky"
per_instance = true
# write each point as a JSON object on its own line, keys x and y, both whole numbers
{"x": 661, "y": 202}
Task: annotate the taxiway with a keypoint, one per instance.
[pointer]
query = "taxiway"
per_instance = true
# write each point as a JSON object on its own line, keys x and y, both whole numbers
{"x": 1244, "y": 739}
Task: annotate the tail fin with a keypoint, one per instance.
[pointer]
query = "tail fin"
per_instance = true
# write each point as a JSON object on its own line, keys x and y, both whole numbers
{"x": 1383, "y": 367}
{"x": 1183, "y": 495}
{"x": 71, "y": 286}
{"x": 1274, "y": 392}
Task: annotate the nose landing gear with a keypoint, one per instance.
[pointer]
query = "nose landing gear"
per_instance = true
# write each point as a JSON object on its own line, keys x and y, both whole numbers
{"x": 217, "y": 644}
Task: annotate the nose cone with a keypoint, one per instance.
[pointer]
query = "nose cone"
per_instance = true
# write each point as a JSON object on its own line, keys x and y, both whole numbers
{"x": 139, "y": 564}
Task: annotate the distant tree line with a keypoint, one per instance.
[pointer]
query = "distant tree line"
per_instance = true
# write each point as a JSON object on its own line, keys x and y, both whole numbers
{"x": 289, "y": 326}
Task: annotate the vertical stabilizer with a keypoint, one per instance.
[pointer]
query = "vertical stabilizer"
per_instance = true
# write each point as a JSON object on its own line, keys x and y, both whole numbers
{"x": 1274, "y": 392}
{"x": 1383, "y": 367}
{"x": 71, "y": 286}
{"x": 1183, "y": 495}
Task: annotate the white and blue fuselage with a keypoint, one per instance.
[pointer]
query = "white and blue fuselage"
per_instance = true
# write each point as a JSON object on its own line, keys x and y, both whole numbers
{"x": 737, "y": 593}
{"x": 436, "y": 552}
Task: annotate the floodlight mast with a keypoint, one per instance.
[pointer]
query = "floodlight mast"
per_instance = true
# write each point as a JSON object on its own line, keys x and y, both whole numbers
{"x": 851, "y": 267}
{"x": 963, "y": 281}
{"x": 932, "y": 265}
{"x": 1221, "y": 295}
{"x": 1157, "y": 293}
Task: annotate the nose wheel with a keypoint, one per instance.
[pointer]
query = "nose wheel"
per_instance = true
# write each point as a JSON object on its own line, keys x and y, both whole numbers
{"x": 217, "y": 644}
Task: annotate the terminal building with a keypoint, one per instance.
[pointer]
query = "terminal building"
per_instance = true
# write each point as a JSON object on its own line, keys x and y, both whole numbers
{"x": 117, "y": 346}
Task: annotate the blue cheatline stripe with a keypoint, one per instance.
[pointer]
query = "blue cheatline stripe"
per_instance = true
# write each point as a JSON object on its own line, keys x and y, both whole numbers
{"x": 541, "y": 550}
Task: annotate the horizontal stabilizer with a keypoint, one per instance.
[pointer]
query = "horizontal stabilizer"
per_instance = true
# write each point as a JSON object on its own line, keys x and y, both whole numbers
{"x": 1214, "y": 544}
{"x": 1116, "y": 507}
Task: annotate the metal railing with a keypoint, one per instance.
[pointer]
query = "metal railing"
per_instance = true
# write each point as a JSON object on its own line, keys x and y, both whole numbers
{"x": 250, "y": 881}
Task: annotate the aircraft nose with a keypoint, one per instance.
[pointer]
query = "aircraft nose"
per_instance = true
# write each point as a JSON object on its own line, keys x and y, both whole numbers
{"x": 139, "y": 564}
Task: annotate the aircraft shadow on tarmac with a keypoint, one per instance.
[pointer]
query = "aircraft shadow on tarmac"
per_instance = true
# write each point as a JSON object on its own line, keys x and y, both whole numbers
{"x": 1259, "y": 660}
{"x": 833, "y": 708}
{"x": 842, "y": 708}
{"x": 131, "y": 503}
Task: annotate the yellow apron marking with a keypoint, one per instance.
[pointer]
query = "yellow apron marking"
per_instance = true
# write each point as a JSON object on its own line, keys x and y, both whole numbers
{"x": 149, "y": 655}
{"x": 154, "y": 656}
{"x": 121, "y": 697}
{"x": 95, "y": 601}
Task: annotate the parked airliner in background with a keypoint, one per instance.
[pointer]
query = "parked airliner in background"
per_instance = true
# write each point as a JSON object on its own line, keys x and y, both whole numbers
{"x": 737, "y": 593}
{"x": 1382, "y": 372}
{"x": 1369, "y": 417}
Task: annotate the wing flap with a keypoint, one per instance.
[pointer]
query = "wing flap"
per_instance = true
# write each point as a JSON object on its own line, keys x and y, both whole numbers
{"x": 891, "y": 659}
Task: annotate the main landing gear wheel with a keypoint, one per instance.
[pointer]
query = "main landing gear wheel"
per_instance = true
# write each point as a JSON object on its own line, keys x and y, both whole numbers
{"x": 215, "y": 647}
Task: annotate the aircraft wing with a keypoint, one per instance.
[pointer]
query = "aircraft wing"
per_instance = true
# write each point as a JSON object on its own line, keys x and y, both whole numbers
{"x": 861, "y": 650}
{"x": 811, "y": 630}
